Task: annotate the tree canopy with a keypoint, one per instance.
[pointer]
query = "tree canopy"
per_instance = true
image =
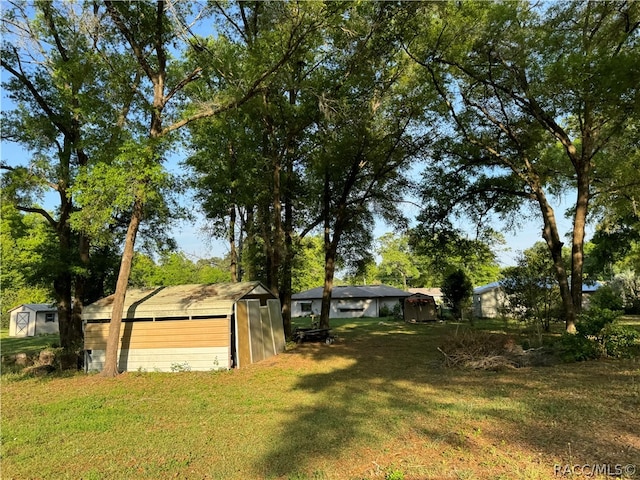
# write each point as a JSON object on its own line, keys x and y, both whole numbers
{"x": 302, "y": 125}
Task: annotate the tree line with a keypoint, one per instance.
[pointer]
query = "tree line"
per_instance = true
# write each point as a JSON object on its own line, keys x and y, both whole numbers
{"x": 297, "y": 119}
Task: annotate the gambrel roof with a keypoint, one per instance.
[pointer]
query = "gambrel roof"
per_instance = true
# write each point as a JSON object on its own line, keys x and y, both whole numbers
{"x": 194, "y": 300}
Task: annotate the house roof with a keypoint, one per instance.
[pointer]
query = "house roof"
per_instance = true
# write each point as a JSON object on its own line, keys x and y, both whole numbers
{"x": 178, "y": 301}
{"x": 37, "y": 307}
{"x": 350, "y": 291}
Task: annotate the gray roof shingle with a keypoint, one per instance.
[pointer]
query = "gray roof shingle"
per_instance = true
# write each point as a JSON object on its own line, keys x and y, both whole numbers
{"x": 349, "y": 291}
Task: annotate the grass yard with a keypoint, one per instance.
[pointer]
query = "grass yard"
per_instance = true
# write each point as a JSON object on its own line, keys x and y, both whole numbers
{"x": 29, "y": 345}
{"x": 377, "y": 404}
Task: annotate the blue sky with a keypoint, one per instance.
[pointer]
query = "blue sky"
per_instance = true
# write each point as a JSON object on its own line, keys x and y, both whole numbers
{"x": 193, "y": 240}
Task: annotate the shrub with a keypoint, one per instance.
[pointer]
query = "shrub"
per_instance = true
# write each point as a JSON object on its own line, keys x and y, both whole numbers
{"x": 577, "y": 348}
{"x": 620, "y": 341}
{"x": 395, "y": 474}
{"x": 385, "y": 311}
{"x": 395, "y": 312}
{"x": 593, "y": 321}
{"x": 599, "y": 336}
{"x": 606, "y": 297}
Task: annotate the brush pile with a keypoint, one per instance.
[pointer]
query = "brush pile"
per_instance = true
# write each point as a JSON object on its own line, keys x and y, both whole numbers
{"x": 489, "y": 351}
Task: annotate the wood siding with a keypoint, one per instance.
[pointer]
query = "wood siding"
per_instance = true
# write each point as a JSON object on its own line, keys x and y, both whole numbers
{"x": 162, "y": 334}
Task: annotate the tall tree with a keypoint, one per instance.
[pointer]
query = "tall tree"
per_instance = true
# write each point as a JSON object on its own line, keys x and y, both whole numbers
{"x": 365, "y": 137}
{"x": 63, "y": 116}
{"x": 308, "y": 264}
{"x": 441, "y": 250}
{"x": 535, "y": 94}
{"x": 397, "y": 265}
{"x": 248, "y": 173}
{"x": 148, "y": 32}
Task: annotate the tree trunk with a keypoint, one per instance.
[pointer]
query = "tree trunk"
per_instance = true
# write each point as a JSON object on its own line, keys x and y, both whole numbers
{"x": 249, "y": 267}
{"x": 80, "y": 293}
{"x": 329, "y": 272}
{"x": 285, "y": 297}
{"x": 110, "y": 368}
{"x": 286, "y": 289}
{"x": 71, "y": 339}
{"x": 552, "y": 237}
{"x": 233, "y": 254}
{"x": 577, "y": 247}
{"x": 277, "y": 226}
{"x": 62, "y": 287}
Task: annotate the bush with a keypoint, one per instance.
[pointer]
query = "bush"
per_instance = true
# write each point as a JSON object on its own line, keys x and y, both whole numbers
{"x": 599, "y": 336}
{"x": 620, "y": 341}
{"x": 395, "y": 312}
{"x": 593, "y": 321}
{"x": 577, "y": 348}
{"x": 606, "y": 297}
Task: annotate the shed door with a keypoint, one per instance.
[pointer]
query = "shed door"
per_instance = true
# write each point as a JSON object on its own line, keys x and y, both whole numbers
{"x": 22, "y": 324}
{"x": 243, "y": 348}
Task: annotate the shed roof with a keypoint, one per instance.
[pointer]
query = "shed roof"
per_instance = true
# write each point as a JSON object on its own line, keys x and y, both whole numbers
{"x": 420, "y": 298}
{"x": 434, "y": 292}
{"x": 486, "y": 288}
{"x": 348, "y": 291}
{"x": 37, "y": 307}
{"x": 178, "y": 301}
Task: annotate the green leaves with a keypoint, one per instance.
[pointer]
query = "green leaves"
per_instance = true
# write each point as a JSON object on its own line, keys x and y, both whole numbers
{"x": 105, "y": 192}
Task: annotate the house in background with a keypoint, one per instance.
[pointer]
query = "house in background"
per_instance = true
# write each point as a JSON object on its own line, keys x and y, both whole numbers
{"x": 188, "y": 327}
{"x": 31, "y": 319}
{"x": 490, "y": 301}
{"x": 349, "y": 301}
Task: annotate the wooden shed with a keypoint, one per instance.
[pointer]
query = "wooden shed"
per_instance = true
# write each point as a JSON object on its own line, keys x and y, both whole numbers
{"x": 419, "y": 308}
{"x": 188, "y": 327}
{"x": 31, "y": 319}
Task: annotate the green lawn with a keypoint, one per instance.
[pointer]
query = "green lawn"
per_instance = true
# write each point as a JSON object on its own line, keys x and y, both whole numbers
{"x": 29, "y": 345}
{"x": 378, "y": 402}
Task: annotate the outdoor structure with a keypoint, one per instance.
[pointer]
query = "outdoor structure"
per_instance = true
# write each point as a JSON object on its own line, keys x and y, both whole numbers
{"x": 589, "y": 289}
{"x": 490, "y": 301}
{"x": 419, "y": 308}
{"x": 188, "y": 327}
{"x": 349, "y": 301}
{"x": 436, "y": 293}
{"x": 31, "y": 319}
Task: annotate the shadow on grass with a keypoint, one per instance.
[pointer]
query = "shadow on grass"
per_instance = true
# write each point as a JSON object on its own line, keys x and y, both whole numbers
{"x": 28, "y": 345}
{"x": 383, "y": 384}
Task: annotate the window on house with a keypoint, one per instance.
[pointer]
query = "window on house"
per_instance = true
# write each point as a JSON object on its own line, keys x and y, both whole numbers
{"x": 351, "y": 309}
{"x": 49, "y": 317}
{"x": 305, "y": 307}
